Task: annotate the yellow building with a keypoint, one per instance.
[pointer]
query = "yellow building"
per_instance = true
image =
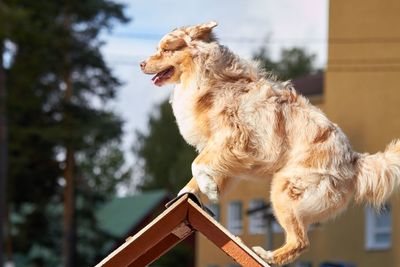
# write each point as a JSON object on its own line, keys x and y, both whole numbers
{"x": 362, "y": 95}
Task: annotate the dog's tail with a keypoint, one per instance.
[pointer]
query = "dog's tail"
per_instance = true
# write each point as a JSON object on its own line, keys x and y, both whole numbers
{"x": 378, "y": 175}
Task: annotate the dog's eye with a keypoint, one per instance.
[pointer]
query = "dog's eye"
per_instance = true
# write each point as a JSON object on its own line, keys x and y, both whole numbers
{"x": 163, "y": 49}
{"x": 171, "y": 48}
{"x": 180, "y": 46}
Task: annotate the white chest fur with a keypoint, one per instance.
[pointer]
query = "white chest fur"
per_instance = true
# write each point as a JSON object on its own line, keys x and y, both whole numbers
{"x": 182, "y": 101}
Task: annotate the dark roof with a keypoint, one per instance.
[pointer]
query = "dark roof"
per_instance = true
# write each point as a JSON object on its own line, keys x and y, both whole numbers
{"x": 119, "y": 215}
{"x": 309, "y": 85}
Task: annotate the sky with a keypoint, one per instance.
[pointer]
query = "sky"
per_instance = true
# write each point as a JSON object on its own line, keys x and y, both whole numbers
{"x": 244, "y": 26}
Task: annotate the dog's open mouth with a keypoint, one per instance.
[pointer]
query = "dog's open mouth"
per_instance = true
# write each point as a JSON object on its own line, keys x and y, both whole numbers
{"x": 163, "y": 76}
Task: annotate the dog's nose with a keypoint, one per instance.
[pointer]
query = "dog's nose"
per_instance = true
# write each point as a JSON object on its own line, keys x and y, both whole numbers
{"x": 142, "y": 64}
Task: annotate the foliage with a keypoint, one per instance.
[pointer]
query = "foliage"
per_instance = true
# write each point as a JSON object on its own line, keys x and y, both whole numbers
{"x": 293, "y": 62}
{"x": 180, "y": 256}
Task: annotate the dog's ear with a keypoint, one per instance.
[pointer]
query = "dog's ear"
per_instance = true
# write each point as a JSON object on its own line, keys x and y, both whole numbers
{"x": 202, "y": 31}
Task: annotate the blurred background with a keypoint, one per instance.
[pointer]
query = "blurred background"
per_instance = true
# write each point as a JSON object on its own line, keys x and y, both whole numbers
{"x": 90, "y": 151}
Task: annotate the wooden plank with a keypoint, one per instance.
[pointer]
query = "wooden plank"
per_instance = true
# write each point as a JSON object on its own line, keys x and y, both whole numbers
{"x": 183, "y": 230}
{"x": 227, "y": 242}
{"x": 157, "y": 251}
{"x": 149, "y": 236}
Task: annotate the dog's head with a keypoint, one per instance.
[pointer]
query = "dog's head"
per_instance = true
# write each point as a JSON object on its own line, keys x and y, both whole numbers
{"x": 175, "y": 52}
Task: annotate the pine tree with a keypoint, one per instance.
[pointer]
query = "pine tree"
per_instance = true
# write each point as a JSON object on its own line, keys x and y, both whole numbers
{"x": 56, "y": 79}
{"x": 3, "y": 153}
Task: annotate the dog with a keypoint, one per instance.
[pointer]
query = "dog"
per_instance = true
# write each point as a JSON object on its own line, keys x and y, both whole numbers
{"x": 247, "y": 125}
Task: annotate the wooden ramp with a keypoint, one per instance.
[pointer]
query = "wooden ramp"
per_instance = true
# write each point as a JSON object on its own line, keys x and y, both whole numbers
{"x": 182, "y": 217}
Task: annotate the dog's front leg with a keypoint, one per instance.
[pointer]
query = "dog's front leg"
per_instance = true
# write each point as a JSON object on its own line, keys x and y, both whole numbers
{"x": 221, "y": 182}
{"x": 190, "y": 187}
{"x": 204, "y": 176}
{"x": 206, "y": 170}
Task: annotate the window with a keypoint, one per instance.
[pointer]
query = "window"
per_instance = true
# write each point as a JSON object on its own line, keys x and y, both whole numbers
{"x": 276, "y": 228}
{"x": 378, "y": 228}
{"x": 235, "y": 223}
{"x": 215, "y": 209}
{"x": 257, "y": 224}
{"x": 305, "y": 264}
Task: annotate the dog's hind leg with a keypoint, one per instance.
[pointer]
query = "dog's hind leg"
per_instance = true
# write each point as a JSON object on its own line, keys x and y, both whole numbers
{"x": 284, "y": 203}
{"x": 296, "y": 242}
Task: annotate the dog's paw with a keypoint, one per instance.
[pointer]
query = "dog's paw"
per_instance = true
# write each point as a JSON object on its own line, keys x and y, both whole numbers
{"x": 211, "y": 191}
{"x": 267, "y": 255}
{"x": 187, "y": 190}
{"x": 203, "y": 175}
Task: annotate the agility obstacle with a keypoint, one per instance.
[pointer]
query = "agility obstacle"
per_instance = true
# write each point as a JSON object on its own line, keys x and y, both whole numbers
{"x": 184, "y": 216}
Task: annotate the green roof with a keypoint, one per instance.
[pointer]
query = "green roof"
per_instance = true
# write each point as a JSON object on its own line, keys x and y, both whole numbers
{"x": 120, "y": 215}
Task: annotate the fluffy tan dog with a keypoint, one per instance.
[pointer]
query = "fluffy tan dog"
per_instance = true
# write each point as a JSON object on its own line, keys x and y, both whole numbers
{"x": 245, "y": 125}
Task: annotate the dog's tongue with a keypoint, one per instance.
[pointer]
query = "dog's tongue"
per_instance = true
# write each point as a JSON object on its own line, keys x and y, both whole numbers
{"x": 156, "y": 79}
{"x": 162, "y": 76}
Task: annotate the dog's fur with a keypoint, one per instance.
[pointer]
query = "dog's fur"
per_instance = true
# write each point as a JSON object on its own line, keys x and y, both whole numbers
{"x": 246, "y": 125}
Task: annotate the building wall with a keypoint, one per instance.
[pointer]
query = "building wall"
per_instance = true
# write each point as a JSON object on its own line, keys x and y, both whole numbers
{"x": 362, "y": 88}
{"x": 361, "y": 95}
